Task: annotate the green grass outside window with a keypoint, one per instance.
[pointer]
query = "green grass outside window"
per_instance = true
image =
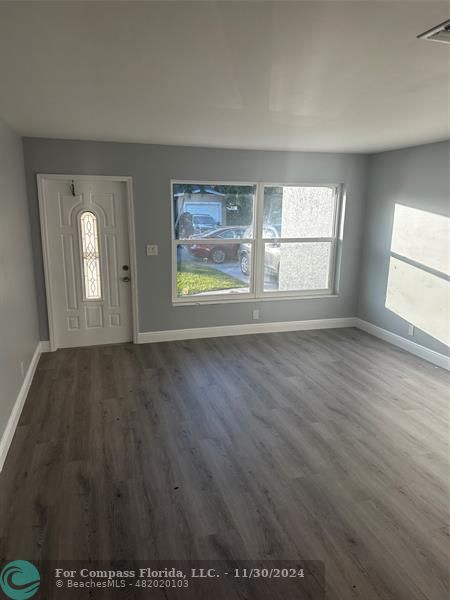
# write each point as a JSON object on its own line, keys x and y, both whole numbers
{"x": 195, "y": 278}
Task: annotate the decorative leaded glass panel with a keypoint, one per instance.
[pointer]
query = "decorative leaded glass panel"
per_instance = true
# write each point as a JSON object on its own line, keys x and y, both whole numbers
{"x": 90, "y": 256}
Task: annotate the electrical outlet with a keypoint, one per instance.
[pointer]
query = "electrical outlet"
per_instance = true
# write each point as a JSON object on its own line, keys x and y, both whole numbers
{"x": 410, "y": 329}
{"x": 256, "y": 314}
{"x": 152, "y": 250}
{"x": 22, "y": 369}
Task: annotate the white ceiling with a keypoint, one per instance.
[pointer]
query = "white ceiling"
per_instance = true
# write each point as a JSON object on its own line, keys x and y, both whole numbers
{"x": 328, "y": 76}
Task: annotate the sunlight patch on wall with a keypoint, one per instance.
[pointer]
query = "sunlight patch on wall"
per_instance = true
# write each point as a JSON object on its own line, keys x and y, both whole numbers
{"x": 419, "y": 297}
{"x": 418, "y": 287}
{"x": 422, "y": 236}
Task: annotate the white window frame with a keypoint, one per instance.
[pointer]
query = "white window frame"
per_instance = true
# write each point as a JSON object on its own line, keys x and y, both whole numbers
{"x": 256, "y": 282}
{"x": 333, "y": 240}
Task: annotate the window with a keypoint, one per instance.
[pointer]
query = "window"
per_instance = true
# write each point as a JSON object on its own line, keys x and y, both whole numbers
{"x": 210, "y": 223}
{"x": 238, "y": 241}
{"x": 299, "y": 238}
{"x": 90, "y": 256}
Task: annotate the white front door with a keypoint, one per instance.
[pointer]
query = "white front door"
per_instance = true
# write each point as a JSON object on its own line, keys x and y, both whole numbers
{"x": 85, "y": 226}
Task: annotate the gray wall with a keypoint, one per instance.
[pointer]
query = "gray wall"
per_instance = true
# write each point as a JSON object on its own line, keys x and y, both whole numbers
{"x": 152, "y": 167}
{"x": 414, "y": 177}
{"x": 18, "y": 315}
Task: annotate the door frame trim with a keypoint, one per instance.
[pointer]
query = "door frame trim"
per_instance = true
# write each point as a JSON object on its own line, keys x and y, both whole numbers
{"x": 41, "y": 178}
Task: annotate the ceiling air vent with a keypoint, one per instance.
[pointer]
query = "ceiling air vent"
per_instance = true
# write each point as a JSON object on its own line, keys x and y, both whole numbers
{"x": 440, "y": 33}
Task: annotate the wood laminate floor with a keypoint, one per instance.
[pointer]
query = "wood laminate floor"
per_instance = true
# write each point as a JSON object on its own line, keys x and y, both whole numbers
{"x": 327, "y": 445}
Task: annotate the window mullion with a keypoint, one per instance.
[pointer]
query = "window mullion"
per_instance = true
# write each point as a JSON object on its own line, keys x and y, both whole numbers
{"x": 300, "y": 240}
{"x": 337, "y": 209}
{"x": 333, "y": 265}
{"x": 258, "y": 251}
{"x": 213, "y": 241}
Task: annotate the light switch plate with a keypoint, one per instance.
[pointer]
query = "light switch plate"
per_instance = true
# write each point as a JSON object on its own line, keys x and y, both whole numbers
{"x": 152, "y": 250}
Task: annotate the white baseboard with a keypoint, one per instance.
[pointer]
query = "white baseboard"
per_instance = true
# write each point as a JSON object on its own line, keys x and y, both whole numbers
{"x": 170, "y": 335}
{"x": 441, "y": 360}
{"x": 5, "y": 441}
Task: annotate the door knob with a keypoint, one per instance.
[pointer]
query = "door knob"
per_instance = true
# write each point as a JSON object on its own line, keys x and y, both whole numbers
{"x": 126, "y": 279}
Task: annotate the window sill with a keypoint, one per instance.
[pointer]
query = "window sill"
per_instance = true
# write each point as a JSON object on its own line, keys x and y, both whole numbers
{"x": 253, "y": 299}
